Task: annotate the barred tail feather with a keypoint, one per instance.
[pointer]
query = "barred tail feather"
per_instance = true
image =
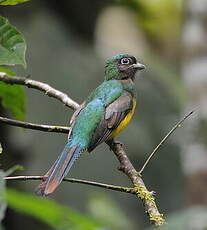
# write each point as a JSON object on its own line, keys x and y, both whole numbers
{"x": 59, "y": 170}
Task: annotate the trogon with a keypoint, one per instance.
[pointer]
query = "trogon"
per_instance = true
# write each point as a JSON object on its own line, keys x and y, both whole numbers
{"x": 102, "y": 116}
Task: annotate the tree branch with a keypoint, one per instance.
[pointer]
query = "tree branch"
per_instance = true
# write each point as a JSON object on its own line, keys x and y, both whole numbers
{"x": 79, "y": 181}
{"x": 27, "y": 125}
{"x": 125, "y": 165}
{"x": 142, "y": 192}
{"x": 47, "y": 89}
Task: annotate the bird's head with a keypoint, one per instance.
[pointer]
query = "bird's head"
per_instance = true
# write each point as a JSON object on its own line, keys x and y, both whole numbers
{"x": 122, "y": 66}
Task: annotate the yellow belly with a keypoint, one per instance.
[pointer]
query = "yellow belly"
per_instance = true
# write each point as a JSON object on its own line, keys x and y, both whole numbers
{"x": 124, "y": 123}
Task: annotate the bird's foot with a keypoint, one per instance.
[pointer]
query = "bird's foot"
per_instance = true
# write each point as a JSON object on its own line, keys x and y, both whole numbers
{"x": 112, "y": 143}
{"x": 118, "y": 143}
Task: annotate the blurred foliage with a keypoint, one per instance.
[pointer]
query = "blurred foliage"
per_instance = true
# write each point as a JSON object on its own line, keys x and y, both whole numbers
{"x": 57, "y": 216}
{"x": 12, "y": 2}
{"x": 2, "y": 196}
{"x": 160, "y": 19}
{"x": 108, "y": 212}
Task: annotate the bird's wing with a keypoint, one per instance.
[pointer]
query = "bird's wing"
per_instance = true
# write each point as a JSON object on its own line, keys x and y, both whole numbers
{"x": 76, "y": 113}
{"x": 114, "y": 115}
{"x": 74, "y": 116}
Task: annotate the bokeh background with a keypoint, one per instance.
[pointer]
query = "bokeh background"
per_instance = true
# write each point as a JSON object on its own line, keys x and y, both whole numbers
{"x": 67, "y": 45}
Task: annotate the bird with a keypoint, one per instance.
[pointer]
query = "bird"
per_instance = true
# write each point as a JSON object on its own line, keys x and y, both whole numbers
{"x": 100, "y": 118}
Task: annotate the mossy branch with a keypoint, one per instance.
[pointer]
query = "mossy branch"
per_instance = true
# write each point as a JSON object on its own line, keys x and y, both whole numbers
{"x": 142, "y": 192}
{"x": 79, "y": 181}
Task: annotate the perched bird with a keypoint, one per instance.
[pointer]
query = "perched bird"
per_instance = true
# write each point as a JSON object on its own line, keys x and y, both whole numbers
{"x": 103, "y": 115}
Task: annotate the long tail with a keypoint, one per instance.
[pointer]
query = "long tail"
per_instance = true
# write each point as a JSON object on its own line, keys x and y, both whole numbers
{"x": 59, "y": 169}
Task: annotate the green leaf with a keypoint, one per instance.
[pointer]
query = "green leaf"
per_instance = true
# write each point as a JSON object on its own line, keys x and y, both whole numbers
{"x": 2, "y": 196}
{"x": 55, "y": 215}
{"x": 12, "y": 96}
{"x": 1, "y": 149}
{"x": 11, "y": 2}
{"x": 12, "y": 44}
{"x": 7, "y": 71}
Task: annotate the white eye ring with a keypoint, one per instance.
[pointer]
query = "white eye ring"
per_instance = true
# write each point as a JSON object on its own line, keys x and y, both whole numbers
{"x": 125, "y": 61}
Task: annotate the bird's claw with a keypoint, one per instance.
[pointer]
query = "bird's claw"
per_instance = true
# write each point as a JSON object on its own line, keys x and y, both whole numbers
{"x": 118, "y": 143}
{"x": 112, "y": 143}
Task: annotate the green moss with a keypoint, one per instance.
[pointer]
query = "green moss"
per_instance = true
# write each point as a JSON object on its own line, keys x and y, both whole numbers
{"x": 144, "y": 194}
{"x": 157, "y": 219}
{"x": 149, "y": 199}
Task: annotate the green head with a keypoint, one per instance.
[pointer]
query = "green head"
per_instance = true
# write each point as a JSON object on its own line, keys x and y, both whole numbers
{"x": 122, "y": 66}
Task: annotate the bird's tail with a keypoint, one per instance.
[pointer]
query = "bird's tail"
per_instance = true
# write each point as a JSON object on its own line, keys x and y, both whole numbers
{"x": 59, "y": 170}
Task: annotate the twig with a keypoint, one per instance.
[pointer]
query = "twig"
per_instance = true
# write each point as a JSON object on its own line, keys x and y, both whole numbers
{"x": 27, "y": 125}
{"x": 164, "y": 139}
{"x": 47, "y": 89}
{"x": 79, "y": 181}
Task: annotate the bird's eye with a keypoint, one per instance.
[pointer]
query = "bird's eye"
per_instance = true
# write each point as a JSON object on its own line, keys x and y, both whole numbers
{"x": 125, "y": 61}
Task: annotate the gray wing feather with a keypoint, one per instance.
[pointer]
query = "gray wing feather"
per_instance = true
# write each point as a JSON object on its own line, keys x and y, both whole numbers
{"x": 115, "y": 113}
{"x": 73, "y": 118}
